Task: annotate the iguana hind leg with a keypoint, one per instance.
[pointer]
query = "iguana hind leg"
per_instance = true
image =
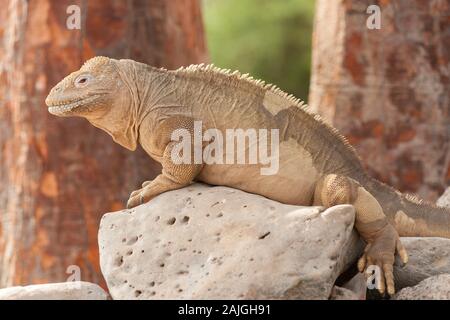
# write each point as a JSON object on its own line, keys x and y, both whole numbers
{"x": 381, "y": 237}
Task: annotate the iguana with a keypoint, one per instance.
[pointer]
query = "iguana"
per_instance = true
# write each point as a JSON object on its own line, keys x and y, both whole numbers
{"x": 136, "y": 103}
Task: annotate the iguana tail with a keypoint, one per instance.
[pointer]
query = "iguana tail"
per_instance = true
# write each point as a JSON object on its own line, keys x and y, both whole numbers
{"x": 411, "y": 216}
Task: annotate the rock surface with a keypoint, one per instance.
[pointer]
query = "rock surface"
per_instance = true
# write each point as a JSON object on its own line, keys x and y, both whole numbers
{"x": 340, "y": 293}
{"x": 427, "y": 257}
{"x": 354, "y": 289}
{"x": 444, "y": 200}
{"x": 55, "y": 291}
{"x": 433, "y": 288}
{"x": 204, "y": 242}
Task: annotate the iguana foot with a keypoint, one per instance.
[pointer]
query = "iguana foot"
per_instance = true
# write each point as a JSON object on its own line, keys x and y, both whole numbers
{"x": 151, "y": 189}
{"x": 380, "y": 252}
{"x": 140, "y": 196}
{"x": 138, "y": 191}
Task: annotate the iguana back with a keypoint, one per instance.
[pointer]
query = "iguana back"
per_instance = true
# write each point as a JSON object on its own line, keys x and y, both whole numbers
{"x": 235, "y": 100}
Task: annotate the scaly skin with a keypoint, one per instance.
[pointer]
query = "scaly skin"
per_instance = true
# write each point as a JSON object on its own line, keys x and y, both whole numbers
{"x": 136, "y": 103}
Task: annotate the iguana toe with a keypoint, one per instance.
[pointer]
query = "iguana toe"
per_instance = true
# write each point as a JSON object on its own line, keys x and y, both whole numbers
{"x": 135, "y": 194}
{"x": 136, "y": 199}
{"x": 401, "y": 251}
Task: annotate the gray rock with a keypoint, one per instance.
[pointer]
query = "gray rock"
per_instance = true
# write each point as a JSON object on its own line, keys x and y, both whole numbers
{"x": 433, "y": 288}
{"x": 354, "y": 289}
{"x": 204, "y": 242}
{"x": 427, "y": 257}
{"x": 341, "y": 293}
{"x": 444, "y": 200}
{"x": 55, "y": 291}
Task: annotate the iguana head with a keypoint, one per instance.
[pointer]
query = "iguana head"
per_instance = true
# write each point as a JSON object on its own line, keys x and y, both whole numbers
{"x": 99, "y": 93}
{"x": 88, "y": 92}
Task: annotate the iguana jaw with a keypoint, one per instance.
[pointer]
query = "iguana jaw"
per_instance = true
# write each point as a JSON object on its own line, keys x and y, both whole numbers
{"x": 70, "y": 108}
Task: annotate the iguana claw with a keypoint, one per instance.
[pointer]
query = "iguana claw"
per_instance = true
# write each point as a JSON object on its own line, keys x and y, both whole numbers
{"x": 380, "y": 252}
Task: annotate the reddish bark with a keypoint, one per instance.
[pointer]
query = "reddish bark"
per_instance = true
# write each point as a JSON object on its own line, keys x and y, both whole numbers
{"x": 59, "y": 176}
{"x": 388, "y": 90}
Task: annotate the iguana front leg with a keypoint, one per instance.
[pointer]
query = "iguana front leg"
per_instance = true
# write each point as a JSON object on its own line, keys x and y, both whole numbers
{"x": 381, "y": 237}
{"x": 175, "y": 174}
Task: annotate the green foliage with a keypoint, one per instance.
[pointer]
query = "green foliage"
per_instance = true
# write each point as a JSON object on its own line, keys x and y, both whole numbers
{"x": 270, "y": 39}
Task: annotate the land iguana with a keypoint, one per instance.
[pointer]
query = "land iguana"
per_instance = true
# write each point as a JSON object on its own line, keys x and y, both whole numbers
{"x": 136, "y": 103}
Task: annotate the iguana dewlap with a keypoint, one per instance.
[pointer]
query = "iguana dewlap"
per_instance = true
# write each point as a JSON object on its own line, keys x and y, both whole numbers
{"x": 136, "y": 103}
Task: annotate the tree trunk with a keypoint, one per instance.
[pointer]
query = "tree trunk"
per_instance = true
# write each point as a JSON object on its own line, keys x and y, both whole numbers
{"x": 59, "y": 176}
{"x": 388, "y": 89}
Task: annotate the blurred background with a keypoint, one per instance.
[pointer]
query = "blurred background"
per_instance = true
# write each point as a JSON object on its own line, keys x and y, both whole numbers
{"x": 269, "y": 39}
{"x": 386, "y": 89}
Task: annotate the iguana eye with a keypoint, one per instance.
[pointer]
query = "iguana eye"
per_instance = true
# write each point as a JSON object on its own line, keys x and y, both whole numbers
{"x": 82, "y": 80}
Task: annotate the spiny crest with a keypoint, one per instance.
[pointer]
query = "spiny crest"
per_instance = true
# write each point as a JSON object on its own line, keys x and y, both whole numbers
{"x": 290, "y": 99}
{"x": 228, "y": 73}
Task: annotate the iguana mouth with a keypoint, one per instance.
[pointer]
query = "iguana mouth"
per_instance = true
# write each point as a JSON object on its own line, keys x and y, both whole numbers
{"x": 59, "y": 108}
